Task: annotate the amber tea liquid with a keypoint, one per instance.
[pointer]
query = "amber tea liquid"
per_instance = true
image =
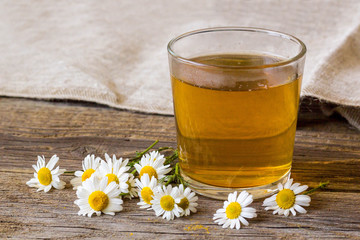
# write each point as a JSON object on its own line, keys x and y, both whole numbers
{"x": 241, "y": 134}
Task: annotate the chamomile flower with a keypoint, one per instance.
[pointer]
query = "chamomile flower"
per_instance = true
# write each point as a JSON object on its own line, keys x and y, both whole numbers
{"x": 96, "y": 196}
{"x": 133, "y": 193}
{"x": 235, "y": 210}
{"x": 147, "y": 188}
{"x": 164, "y": 202}
{"x": 287, "y": 200}
{"x": 186, "y": 200}
{"x": 45, "y": 177}
{"x": 154, "y": 167}
{"x": 116, "y": 171}
{"x": 90, "y": 164}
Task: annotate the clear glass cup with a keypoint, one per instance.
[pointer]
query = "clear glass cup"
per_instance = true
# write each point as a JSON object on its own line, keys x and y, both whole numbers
{"x": 236, "y": 96}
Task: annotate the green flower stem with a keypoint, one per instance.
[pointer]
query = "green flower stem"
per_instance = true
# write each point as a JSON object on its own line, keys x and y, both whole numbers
{"x": 322, "y": 185}
{"x": 165, "y": 148}
{"x": 175, "y": 177}
{"x": 170, "y": 180}
{"x": 136, "y": 159}
{"x": 177, "y": 169}
{"x": 171, "y": 158}
{"x": 69, "y": 172}
{"x": 150, "y": 147}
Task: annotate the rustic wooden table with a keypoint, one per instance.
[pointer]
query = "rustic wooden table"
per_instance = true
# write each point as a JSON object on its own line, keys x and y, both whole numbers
{"x": 325, "y": 149}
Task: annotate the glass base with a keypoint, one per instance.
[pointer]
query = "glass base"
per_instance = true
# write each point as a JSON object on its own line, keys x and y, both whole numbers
{"x": 222, "y": 193}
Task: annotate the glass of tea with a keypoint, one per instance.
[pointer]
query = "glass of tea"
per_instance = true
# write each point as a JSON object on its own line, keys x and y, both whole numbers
{"x": 236, "y": 97}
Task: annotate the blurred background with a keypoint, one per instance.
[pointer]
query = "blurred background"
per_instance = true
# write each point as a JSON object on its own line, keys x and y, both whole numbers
{"x": 114, "y": 52}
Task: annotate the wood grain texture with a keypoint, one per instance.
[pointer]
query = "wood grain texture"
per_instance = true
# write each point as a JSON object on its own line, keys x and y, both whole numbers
{"x": 325, "y": 149}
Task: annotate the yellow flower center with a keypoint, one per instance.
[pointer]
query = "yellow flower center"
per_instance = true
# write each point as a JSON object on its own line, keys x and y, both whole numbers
{"x": 98, "y": 200}
{"x": 44, "y": 176}
{"x": 184, "y": 203}
{"x": 149, "y": 170}
{"x": 87, "y": 174}
{"x": 147, "y": 195}
{"x": 285, "y": 199}
{"x": 129, "y": 185}
{"x": 167, "y": 202}
{"x": 233, "y": 210}
{"x": 112, "y": 177}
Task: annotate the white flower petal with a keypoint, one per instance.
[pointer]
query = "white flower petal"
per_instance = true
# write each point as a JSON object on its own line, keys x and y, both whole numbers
{"x": 227, "y": 223}
{"x": 47, "y": 188}
{"x": 238, "y": 225}
{"x": 221, "y": 210}
{"x": 113, "y": 206}
{"x": 35, "y": 168}
{"x": 104, "y": 183}
{"x": 276, "y": 210}
{"x": 280, "y": 211}
{"x": 286, "y": 212}
{"x": 293, "y": 211}
{"x": 88, "y": 184}
{"x": 270, "y": 200}
{"x": 242, "y": 196}
{"x": 271, "y": 208}
{"x": 79, "y": 173}
{"x": 56, "y": 170}
{"x": 300, "y": 189}
{"x": 41, "y": 161}
{"x": 302, "y": 199}
{"x": 288, "y": 183}
{"x": 109, "y": 212}
{"x": 247, "y": 201}
{"x": 76, "y": 182}
{"x": 82, "y": 192}
{"x": 53, "y": 160}
{"x": 58, "y": 184}
{"x": 295, "y": 185}
{"x": 138, "y": 168}
{"x": 232, "y": 225}
{"x": 249, "y": 210}
{"x": 32, "y": 181}
{"x": 243, "y": 221}
{"x": 248, "y": 214}
{"x": 299, "y": 209}
{"x": 38, "y": 163}
{"x": 232, "y": 197}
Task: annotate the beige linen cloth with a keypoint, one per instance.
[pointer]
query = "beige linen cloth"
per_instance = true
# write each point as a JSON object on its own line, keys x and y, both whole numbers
{"x": 114, "y": 52}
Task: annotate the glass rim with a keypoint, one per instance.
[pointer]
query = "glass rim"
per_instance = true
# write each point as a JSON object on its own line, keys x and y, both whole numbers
{"x": 298, "y": 56}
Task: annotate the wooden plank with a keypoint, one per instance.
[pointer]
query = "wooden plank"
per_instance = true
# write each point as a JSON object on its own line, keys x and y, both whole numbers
{"x": 325, "y": 149}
